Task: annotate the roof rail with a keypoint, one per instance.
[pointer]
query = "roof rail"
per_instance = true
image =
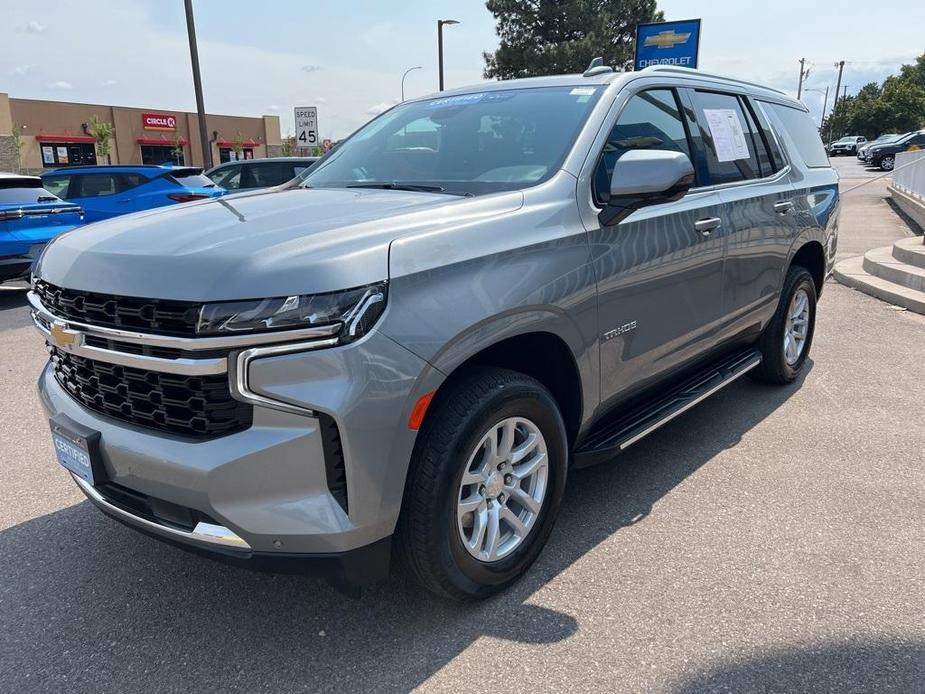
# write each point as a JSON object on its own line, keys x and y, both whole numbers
{"x": 677, "y": 69}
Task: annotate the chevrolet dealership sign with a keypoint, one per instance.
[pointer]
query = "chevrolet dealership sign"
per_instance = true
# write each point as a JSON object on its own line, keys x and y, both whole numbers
{"x": 668, "y": 43}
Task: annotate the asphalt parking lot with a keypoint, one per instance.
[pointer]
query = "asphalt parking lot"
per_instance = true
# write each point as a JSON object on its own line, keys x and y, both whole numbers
{"x": 769, "y": 540}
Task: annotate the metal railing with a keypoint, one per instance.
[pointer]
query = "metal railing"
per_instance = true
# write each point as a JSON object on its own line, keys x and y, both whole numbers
{"x": 909, "y": 173}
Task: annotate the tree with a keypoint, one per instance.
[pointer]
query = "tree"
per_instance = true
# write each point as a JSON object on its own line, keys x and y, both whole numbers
{"x": 17, "y": 146}
{"x": 237, "y": 145}
{"x": 551, "y": 37}
{"x": 285, "y": 146}
{"x": 177, "y": 153}
{"x": 102, "y": 133}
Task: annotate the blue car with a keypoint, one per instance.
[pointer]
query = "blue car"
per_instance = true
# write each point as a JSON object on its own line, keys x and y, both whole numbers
{"x": 110, "y": 191}
{"x": 30, "y": 217}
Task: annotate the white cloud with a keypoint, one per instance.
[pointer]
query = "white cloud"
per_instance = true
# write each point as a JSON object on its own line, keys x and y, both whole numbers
{"x": 22, "y": 69}
{"x": 109, "y": 83}
{"x": 320, "y": 100}
{"x": 33, "y": 27}
{"x": 273, "y": 108}
{"x": 376, "y": 109}
{"x": 311, "y": 68}
{"x": 60, "y": 84}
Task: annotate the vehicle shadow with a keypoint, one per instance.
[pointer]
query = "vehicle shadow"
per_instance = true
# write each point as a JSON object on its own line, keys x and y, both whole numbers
{"x": 13, "y": 296}
{"x": 88, "y": 603}
{"x": 857, "y": 666}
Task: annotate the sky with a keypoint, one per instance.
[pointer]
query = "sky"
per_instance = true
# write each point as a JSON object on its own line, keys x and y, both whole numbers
{"x": 347, "y": 57}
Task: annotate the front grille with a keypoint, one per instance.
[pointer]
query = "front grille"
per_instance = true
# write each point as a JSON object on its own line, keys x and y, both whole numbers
{"x": 194, "y": 406}
{"x": 158, "y": 316}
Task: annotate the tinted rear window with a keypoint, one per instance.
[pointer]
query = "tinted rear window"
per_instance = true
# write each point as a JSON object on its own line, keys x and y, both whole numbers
{"x": 22, "y": 196}
{"x": 803, "y": 132}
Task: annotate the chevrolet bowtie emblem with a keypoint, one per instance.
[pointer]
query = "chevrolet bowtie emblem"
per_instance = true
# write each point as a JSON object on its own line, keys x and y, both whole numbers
{"x": 62, "y": 337}
{"x": 667, "y": 39}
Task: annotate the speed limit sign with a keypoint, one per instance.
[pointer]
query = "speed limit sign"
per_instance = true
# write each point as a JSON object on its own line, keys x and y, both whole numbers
{"x": 306, "y": 126}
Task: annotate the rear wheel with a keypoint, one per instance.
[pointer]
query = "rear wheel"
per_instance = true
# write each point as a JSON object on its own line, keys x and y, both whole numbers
{"x": 485, "y": 484}
{"x": 786, "y": 340}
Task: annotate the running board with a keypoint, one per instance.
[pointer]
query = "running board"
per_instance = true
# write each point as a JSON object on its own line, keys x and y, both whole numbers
{"x": 629, "y": 427}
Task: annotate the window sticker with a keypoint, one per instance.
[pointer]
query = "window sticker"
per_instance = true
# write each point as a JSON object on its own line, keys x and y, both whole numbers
{"x": 461, "y": 100}
{"x": 728, "y": 135}
{"x": 582, "y": 91}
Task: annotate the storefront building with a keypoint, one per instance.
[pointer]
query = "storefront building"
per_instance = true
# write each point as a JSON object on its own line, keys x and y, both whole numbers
{"x": 55, "y": 133}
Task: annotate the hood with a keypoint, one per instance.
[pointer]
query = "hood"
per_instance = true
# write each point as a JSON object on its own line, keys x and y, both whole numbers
{"x": 253, "y": 245}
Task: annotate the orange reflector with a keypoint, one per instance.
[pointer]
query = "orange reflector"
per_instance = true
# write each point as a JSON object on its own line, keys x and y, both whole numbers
{"x": 420, "y": 409}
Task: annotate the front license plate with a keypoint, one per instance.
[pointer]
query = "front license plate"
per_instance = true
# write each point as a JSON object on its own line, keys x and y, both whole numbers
{"x": 74, "y": 451}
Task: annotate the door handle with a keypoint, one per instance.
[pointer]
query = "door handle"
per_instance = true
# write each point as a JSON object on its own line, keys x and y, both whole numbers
{"x": 706, "y": 226}
{"x": 783, "y": 207}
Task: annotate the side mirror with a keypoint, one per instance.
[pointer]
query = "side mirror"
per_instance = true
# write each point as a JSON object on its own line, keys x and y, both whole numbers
{"x": 644, "y": 177}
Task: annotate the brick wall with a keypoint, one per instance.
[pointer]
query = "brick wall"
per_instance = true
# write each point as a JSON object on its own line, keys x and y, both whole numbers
{"x": 7, "y": 154}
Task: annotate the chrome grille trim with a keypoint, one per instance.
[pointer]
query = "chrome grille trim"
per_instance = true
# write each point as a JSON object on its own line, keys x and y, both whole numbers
{"x": 185, "y": 343}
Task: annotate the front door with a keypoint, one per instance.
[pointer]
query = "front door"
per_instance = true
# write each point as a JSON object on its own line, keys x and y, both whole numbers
{"x": 660, "y": 271}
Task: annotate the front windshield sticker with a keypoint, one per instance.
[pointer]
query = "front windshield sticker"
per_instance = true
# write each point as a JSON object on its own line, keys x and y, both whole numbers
{"x": 582, "y": 91}
{"x": 727, "y": 132}
{"x": 461, "y": 100}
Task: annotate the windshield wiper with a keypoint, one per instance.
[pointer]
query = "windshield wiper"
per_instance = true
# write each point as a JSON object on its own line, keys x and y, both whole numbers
{"x": 417, "y": 187}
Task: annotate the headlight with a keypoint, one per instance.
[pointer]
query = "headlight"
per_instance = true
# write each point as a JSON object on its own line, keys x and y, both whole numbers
{"x": 354, "y": 311}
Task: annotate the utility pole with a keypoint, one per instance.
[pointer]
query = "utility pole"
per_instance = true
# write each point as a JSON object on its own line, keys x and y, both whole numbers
{"x": 802, "y": 75}
{"x": 197, "y": 85}
{"x": 841, "y": 66}
{"x": 825, "y": 102}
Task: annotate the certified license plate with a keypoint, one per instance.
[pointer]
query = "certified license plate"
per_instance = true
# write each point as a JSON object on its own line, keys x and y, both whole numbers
{"x": 74, "y": 451}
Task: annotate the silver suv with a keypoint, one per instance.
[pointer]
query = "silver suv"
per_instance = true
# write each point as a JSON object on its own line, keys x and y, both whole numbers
{"x": 403, "y": 354}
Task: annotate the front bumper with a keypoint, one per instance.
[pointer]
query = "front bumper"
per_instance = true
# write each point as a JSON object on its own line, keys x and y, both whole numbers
{"x": 265, "y": 491}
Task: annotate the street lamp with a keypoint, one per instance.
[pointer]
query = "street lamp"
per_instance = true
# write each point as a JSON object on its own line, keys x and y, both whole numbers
{"x": 416, "y": 67}
{"x": 440, "y": 23}
{"x": 825, "y": 101}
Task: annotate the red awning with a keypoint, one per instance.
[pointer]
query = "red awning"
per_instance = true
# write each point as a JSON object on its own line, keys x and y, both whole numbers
{"x": 162, "y": 142}
{"x": 231, "y": 143}
{"x": 45, "y": 137}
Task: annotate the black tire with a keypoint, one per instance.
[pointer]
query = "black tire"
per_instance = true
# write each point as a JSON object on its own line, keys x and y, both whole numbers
{"x": 774, "y": 367}
{"x": 428, "y": 542}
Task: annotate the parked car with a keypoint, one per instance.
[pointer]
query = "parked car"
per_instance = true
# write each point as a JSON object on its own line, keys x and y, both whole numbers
{"x": 110, "y": 191}
{"x": 847, "y": 145}
{"x": 407, "y": 350}
{"x": 30, "y": 217}
{"x": 883, "y": 139}
{"x": 251, "y": 174}
{"x": 884, "y": 155}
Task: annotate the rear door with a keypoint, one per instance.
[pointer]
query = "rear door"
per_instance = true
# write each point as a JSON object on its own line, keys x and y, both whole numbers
{"x": 101, "y": 194}
{"x": 747, "y": 168}
{"x": 659, "y": 272}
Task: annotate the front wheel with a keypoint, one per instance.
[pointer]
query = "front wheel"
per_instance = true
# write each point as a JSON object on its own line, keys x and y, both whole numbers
{"x": 485, "y": 484}
{"x": 888, "y": 162}
{"x": 785, "y": 342}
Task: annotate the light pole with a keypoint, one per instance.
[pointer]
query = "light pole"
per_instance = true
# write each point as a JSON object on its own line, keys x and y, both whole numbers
{"x": 440, "y": 24}
{"x": 416, "y": 67}
{"x": 825, "y": 101}
{"x": 197, "y": 86}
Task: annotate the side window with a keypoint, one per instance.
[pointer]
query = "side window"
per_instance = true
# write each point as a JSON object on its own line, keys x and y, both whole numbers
{"x": 770, "y": 138}
{"x": 263, "y": 175}
{"x": 229, "y": 177}
{"x": 728, "y": 140}
{"x": 649, "y": 120}
{"x": 57, "y": 185}
{"x": 803, "y": 133}
{"x": 96, "y": 185}
{"x": 127, "y": 181}
{"x": 765, "y": 163}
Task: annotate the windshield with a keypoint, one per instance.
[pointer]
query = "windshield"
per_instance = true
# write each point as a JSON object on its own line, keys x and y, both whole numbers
{"x": 468, "y": 144}
{"x": 847, "y": 139}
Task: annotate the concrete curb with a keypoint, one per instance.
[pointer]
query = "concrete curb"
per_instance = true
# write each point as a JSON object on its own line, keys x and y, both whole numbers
{"x": 851, "y": 273}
